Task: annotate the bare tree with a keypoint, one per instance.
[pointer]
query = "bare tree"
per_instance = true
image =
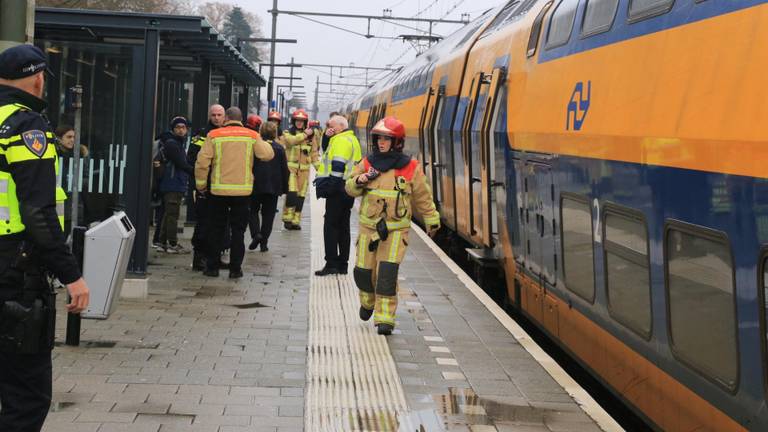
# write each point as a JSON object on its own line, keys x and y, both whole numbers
{"x": 148, "y": 6}
{"x": 217, "y": 12}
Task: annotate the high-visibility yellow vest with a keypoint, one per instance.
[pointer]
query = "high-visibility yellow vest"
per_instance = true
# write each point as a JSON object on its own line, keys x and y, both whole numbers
{"x": 344, "y": 148}
{"x": 10, "y": 216}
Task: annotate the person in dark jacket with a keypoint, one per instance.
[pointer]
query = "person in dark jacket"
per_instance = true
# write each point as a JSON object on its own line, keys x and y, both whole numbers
{"x": 173, "y": 183}
{"x": 203, "y": 222}
{"x": 270, "y": 180}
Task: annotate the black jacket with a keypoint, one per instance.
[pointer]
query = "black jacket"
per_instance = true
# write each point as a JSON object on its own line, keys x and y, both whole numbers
{"x": 177, "y": 169}
{"x": 194, "y": 149}
{"x": 271, "y": 177}
{"x": 36, "y": 191}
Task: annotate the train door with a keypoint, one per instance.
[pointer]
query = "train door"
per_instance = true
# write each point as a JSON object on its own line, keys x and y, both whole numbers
{"x": 432, "y": 164}
{"x": 547, "y": 225}
{"x": 470, "y": 155}
{"x": 484, "y": 213}
{"x": 520, "y": 243}
{"x": 422, "y": 128}
{"x": 539, "y": 223}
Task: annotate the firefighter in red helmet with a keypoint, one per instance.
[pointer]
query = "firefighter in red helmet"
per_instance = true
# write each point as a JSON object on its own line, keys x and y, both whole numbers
{"x": 393, "y": 188}
{"x": 253, "y": 122}
{"x": 301, "y": 150}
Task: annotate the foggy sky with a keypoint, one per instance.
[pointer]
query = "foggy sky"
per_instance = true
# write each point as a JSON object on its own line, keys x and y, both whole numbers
{"x": 324, "y": 45}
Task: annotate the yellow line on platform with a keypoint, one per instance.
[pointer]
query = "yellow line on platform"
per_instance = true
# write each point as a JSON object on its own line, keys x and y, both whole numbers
{"x": 352, "y": 381}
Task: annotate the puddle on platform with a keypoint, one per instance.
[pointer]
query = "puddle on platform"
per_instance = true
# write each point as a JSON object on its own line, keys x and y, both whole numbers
{"x": 463, "y": 407}
{"x": 249, "y": 305}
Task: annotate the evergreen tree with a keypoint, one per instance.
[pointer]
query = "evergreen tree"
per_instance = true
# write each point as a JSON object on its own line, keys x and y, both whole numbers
{"x": 236, "y": 27}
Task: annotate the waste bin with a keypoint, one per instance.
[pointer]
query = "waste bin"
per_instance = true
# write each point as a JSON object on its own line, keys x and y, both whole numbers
{"x": 105, "y": 260}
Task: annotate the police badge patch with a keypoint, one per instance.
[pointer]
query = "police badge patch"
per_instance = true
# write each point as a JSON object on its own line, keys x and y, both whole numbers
{"x": 35, "y": 142}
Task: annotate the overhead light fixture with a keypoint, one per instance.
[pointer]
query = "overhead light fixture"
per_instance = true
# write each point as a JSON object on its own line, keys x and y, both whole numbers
{"x": 176, "y": 58}
{"x": 53, "y": 50}
{"x": 123, "y": 41}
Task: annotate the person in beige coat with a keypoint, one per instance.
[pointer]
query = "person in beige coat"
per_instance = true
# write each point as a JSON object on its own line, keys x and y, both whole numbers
{"x": 227, "y": 159}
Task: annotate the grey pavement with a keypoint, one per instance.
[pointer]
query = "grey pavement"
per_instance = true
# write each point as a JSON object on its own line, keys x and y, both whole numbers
{"x": 210, "y": 354}
{"x": 199, "y": 354}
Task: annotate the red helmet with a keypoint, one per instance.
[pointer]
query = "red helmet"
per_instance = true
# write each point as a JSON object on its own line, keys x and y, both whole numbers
{"x": 274, "y": 115}
{"x": 253, "y": 122}
{"x": 393, "y": 128}
{"x": 299, "y": 114}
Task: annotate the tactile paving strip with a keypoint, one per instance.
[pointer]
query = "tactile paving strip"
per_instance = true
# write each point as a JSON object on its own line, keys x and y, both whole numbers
{"x": 352, "y": 382}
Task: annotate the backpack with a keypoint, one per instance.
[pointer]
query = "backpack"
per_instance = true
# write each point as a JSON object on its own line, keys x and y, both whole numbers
{"x": 158, "y": 165}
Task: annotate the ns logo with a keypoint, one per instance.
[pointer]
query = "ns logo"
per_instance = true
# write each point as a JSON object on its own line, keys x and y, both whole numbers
{"x": 578, "y": 106}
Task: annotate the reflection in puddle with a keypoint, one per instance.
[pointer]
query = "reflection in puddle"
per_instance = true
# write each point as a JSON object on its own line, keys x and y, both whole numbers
{"x": 462, "y": 407}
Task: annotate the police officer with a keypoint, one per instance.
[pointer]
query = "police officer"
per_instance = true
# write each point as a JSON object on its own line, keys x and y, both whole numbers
{"x": 301, "y": 150}
{"x": 200, "y": 235}
{"x": 393, "y": 187}
{"x": 334, "y": 169}
{"x": 31, "y": 243}
{"x": 226, "y": 158}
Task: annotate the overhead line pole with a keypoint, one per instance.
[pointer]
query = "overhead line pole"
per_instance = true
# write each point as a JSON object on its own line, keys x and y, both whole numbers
{"x": 270, "y": 85}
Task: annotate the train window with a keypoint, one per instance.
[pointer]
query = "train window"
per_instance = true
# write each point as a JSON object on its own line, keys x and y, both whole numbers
{"x": 627, "y": 269}
{"x": 501, "y": 17}
{"x": 561, "y": 23}
{"x": 578, "y": 254}
{"x": 701, "y": 301}
{"x": 533, "y": 41}
{"x": 642, "y": 9}
{"x": 598, "y": 16}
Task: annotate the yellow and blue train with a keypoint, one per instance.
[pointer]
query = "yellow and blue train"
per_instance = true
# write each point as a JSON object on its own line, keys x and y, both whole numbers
{"x": 612, "y": 157}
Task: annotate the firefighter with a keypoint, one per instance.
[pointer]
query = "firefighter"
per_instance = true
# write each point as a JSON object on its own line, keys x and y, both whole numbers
{"x": 253, "y": 122}
{"x": 393, "y": 188}
{"x": 301, "y": 149}
{"x": 223, "y": 172}
{"x": 276, "y": 118}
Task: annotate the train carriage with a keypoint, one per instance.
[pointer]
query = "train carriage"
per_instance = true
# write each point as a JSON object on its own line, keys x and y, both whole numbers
{"x": 610, "y": 156}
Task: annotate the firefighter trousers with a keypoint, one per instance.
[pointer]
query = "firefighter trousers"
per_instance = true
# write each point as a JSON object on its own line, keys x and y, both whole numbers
{"x": 294, "y": 200}
{"x": 376, "y": 268}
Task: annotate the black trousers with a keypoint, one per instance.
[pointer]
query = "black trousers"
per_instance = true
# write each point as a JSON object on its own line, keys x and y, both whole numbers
{"x": 202, "y": 226}
{"x": 222, "y": 209}
{"x": 25, "y": 379}
{"x": 338, "y": 209}
{"x": 266, "y": 205}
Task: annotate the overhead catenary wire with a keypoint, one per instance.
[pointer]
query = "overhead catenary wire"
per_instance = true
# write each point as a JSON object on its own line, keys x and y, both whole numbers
{"x": 343, "y": 29}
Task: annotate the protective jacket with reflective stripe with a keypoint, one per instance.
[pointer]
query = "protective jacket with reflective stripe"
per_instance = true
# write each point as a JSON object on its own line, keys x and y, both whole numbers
{"x": 341, "y": 156}
{"x": 396, "y": 195}
{"x": 228, "y": 155}
{"x": 301, "y": 153}
{"x": 29, "y": 196}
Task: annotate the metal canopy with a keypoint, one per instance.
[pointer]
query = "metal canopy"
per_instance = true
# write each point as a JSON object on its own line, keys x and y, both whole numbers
{"x": 188, "y": 38}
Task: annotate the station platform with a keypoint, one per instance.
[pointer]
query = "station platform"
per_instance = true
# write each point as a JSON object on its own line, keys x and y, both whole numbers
{"x": 283, "y": 350}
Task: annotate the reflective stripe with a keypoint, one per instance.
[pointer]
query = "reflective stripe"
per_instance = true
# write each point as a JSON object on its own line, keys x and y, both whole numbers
{"x": 3, "y": 185}
{"x": 394, "y": 247}
{"x": 5, "y": 213}
{"x": 340, "y": 159}
{"x": 432, "y": 220}
{"x": 391, "y": 225}
{"x": 60, "y": 209}
{"x": 383, "y": 193}
{"x": 293, "y": 164}
{"x": 361, "y": 247}
{"x": 337, "y": 174}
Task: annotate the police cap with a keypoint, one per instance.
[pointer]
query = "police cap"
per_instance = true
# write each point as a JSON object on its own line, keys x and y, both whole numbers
{"x": 22, "y": 61}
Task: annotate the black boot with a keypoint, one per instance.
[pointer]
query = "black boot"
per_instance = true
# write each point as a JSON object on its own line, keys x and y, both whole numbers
{"x": 365, "y": 314}
{"x": 198, "y": 262}
{"x": 263, "y": 246}
{"x": 385, "y": 329}
{"x": 255, "y": 242}
{"x": 211, "y": 272}
{"x": 235, "y": 274}
{"x": 327, "y": 270}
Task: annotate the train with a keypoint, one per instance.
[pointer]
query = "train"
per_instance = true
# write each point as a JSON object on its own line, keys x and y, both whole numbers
{"x": 610, "y": 158}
